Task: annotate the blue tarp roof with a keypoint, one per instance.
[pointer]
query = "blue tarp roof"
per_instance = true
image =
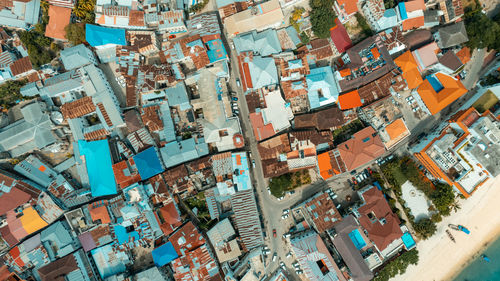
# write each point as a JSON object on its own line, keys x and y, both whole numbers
{"x": 123, "y": 236}
{"x": 99, "y": 167}
{"x": 148, "y": 164}
{"x": 402, "y": 10}
{"x": 216, "y": 50}
{"x": 164, "y": 254}
{"x": 97, "y": 35}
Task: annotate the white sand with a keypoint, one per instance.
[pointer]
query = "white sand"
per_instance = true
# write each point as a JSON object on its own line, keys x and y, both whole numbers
{"x": 439, "y": 257}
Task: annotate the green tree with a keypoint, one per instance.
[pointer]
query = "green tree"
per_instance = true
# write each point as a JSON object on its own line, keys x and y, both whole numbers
{"x": 443, "y": 198}
{"x": 363, "y": 24}
{"x": 304, "y": 38}
{"x": 10, "y": 94}
{"x": 322, "y": 17}
{"x": 425, "y": 227}
{"x": 75, "y": 33}
{"x": 481, "y": 30}
{"x": 397, "y": 266}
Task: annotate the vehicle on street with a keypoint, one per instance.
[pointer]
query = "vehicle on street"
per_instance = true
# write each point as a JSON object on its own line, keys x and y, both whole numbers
{"x": 289, "y": 255}
{"x": 274, "y": 233}
{"x": 353, "y": 172}
{"x": 253, "y": 163}
{"x": 286, "y": 235}
{"x": 238, "y": 82}
{"x": 275, "y": 256}
{"x": 282, "y": 265}
{"x": 286, "y": 211}
{"x": 268, "y": 190}
{"x": 284, "y": 217}
{"x": 354, "y": 181}
{"x": 235, "y": 98}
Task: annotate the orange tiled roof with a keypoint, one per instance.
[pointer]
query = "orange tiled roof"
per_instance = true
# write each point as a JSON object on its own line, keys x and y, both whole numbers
{"x": 413, "y": 23}
{"x": 396, "y": 129}
{"x": 350, "y": 100}
{"x": 435, "y": 102}
{"x": 59, "y": 18}
{"x": 350, "y": 6}
{"x": 464, "y": 55}
{"x": 324, "y": 165}
{"x": 414, "y": 5}
{"x": 409, "y": 68}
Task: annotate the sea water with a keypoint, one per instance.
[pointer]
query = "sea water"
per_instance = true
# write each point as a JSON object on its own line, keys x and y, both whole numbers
{"x": 482, "y": 270}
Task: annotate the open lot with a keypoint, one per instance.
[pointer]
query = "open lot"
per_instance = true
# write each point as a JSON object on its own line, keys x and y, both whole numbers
{"x": 485, "y": 102}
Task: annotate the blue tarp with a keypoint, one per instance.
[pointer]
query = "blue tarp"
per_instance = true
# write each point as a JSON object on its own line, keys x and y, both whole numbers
{"x": 148, "y": 164}
{"x": 97, "y": 35}
{"x": 99, "y": 167}
{"x": 164, "y": 254}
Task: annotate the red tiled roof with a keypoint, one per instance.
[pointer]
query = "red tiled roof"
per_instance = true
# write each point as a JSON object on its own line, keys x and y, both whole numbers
{"x": 363, "y": 147}
{"x": 151, "y": 118}
{"x": 260, "y": 130}
{"x": 78, "y": 108}
{"x": 136, "y": 18}
{"x": 126, "y": 180}
{"x": 59, "y": 18}
{"x": 340, "y": 37}
{"x": 168, "y": 218}
{"x": 377, "y": 207}
{"x": 98, "y": 211}
{"x": 323, "y": 212}
{"x": 99, "y": 134}
{"x": 21, "y": 66}
{"x": 186, "y": 238}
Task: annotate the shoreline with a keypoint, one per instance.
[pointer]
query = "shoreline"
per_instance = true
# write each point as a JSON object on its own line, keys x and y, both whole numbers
{"x": 439, "y": 257}
{"x": 476, "y": 255}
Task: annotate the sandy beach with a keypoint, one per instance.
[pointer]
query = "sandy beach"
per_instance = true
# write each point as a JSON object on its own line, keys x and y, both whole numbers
{"x": 440, "y": 258}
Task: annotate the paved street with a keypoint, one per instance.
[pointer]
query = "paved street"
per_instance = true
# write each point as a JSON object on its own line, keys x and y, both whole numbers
{"x": 271, "y": 209}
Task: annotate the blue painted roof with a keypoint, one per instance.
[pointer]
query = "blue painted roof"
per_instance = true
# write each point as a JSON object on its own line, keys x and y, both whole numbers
{"x": 402, "y": 10}
{"x": 99, "y": 167}
{"x": 164, "y": 254}
{"x": 98, "y": 35}
{"x": 216, "y": 50}
{"x": 435, "y": 83}
{"x": 148, "y": 164}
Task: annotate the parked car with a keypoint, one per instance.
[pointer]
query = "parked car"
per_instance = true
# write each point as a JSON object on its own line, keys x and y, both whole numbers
{"x": 235, "y": 98}
{"x": 353, "y": 172}
{"x": 369, "y": 170}
{"x": 275, "y": 256}
{"x": 354, "y": 181}
{"x": 274, "y": 233}
{"x": 289, "y": 255}
{"x": 253, "y": 163}
{"x": 286, "y": 211}
{"x": 286, "y": 235}
{"x": 284, "y": 217}
{"x": 282, "y": 265}
{"x": 238, "y": 82}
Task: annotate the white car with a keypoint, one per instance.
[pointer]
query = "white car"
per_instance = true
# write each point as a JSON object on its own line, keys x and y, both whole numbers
{"x": 289, "y": 255}
{"x": 268, "y": 190}
{"x": 282, "y": 265}
{"x": 275, "y": 256}
{"x": 284, "y": 217}
{"x": 286, "y": 235}
{"x": 286, "y": 211}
